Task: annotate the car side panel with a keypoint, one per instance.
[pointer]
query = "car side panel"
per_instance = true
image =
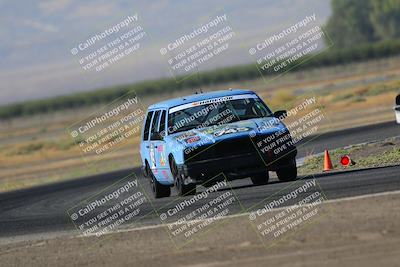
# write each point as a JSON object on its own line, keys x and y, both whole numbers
{"x": 144, "y": 145}
{"x": 158, "y": 157}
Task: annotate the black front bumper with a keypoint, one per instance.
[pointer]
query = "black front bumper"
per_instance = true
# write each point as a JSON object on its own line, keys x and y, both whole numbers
{"x": 236, "y": 166}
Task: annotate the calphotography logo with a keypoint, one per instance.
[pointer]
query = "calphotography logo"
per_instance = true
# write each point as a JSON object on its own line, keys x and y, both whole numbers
{"x": 293, "y": 208}
{"x": 106, "y": 130}
{"x": 189, "y": 218}
{"x": 110, "y": 209}
{"x": 285, "y": 49}
{"x": 109, "y": 46}
{"x": 197, "y": 48}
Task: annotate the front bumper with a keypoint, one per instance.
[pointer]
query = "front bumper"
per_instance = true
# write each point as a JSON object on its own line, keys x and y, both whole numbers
{"x": 236, "y": 166}
{"x": 397, "y": 113}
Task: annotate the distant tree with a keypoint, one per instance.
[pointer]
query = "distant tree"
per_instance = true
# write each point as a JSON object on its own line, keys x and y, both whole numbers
{"x": 361, "y": 21}
{"x": 385, "y": 17}
{"x": 350, "y": 22}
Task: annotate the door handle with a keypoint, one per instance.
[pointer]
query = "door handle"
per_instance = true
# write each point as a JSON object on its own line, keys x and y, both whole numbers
{"x": 147, "y": 146}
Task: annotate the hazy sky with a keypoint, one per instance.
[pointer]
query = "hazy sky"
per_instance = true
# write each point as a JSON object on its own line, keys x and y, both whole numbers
{"x": 37, "y": 38}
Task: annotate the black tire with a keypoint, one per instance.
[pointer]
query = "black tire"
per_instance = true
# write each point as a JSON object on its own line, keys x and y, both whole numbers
{"x": 159, "y": 190}
{"x": 260, "y": 179}
{"x": 184, "y": 190}
{"x": 181, "y": 188}
{"x": 287, "y": 174}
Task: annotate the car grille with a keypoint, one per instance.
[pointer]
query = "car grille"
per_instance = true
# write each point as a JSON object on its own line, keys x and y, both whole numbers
{"x": 224, "y": 148}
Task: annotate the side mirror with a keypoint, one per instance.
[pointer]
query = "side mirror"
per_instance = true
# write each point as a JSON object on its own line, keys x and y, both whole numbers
{"x": 280, "y": 114}
{"x": 155, "y": 136}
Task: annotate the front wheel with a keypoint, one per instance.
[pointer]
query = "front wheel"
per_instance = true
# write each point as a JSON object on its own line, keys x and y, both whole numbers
{"x": 288, "y": 173}
{"x": 181, "y": 188}
{"x": 184, "y": 189}
{"x": 159, "y": 190}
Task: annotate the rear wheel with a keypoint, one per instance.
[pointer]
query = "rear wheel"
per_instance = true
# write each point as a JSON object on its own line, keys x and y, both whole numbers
{"x": 181, "y": 188}
{"x": 260, "y": 179}
{"x": 159, "y": 190}
{"x": 287, "y": 174}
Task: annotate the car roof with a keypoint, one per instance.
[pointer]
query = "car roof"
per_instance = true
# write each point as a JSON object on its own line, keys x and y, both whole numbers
{"x": 198, "y": 97}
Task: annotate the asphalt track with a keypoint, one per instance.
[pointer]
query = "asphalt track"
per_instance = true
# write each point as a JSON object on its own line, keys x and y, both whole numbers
{"x": 43, "y": 209}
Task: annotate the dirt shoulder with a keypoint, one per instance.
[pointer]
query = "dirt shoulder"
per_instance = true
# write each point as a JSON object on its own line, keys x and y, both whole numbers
{"x": 375, "y": 154}
{"x": 358, "y": 232}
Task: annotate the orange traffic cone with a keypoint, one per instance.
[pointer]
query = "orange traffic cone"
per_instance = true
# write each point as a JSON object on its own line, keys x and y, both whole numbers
{"x": 327, "y": 162}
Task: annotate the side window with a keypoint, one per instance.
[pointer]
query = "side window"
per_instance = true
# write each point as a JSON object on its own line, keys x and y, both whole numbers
{"x": 147, "y": 126}
{"x": 154, "y": 125}
{"x": 161, "y": 129}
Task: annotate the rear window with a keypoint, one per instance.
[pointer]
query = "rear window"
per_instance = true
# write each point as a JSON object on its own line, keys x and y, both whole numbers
{"x": 154, "y": 124}
{"x": 147, "y": 126}
{"x": 162, "y": 123}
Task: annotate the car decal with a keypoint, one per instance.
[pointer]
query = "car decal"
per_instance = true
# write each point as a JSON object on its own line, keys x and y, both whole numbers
{"x": 210, "y": 101}
{"x": 165, "y": 173}
{"x": 162, "y": 159}
{"x": 185, "y": 135}
{"x": 192, "y": 139}
{"x": 152, "y": 157}
{"x": 231, "y": 131}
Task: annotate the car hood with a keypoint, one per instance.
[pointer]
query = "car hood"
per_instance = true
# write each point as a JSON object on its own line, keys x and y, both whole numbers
{"x": 216, "y": 133}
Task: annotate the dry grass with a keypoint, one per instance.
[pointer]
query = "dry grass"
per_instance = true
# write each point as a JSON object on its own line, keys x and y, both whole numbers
{"x": 377, "y": 154}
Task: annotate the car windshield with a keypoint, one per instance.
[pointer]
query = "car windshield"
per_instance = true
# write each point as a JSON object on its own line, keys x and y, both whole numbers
{"x": 216, "y": 113}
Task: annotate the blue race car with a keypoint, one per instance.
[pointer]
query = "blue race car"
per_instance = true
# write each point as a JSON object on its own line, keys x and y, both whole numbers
{"x": 193, "y": 140}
